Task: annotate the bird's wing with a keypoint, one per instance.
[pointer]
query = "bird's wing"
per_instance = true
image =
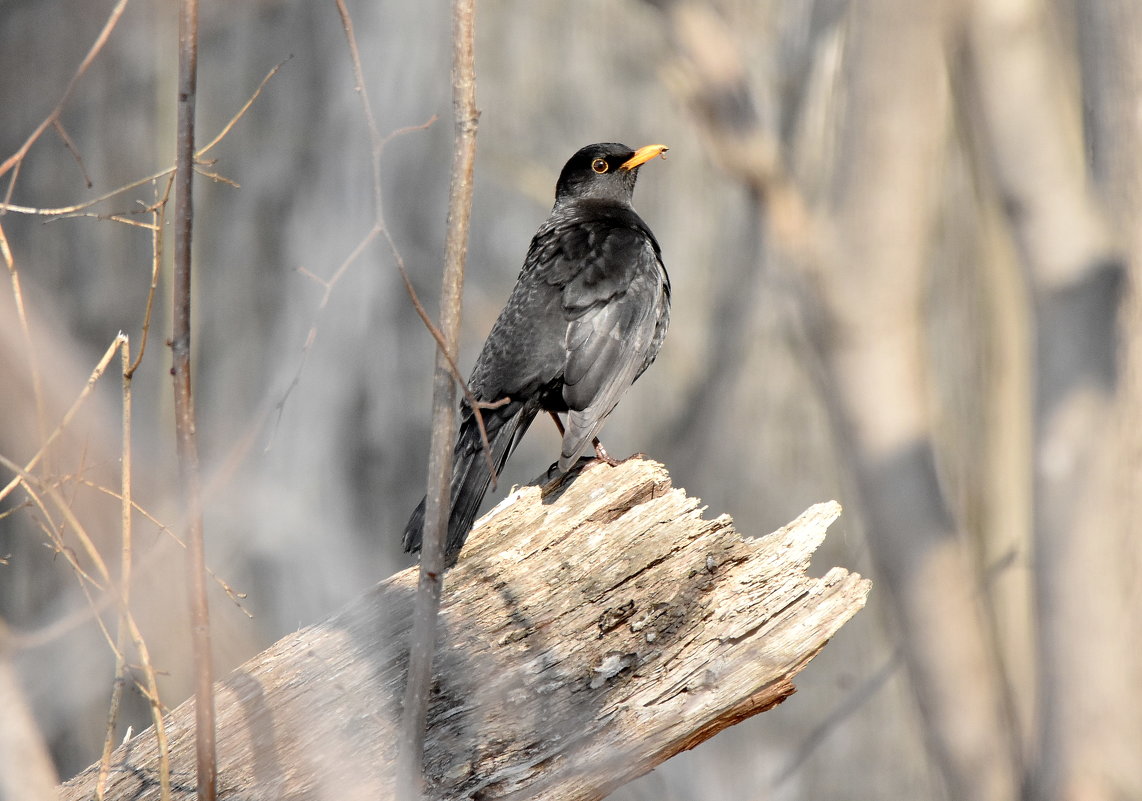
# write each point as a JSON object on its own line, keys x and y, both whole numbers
{"x": 612, "y": 306}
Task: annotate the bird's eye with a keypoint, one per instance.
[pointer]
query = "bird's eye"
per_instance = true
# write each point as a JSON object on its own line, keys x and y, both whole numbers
{"x": 600, "y": 166}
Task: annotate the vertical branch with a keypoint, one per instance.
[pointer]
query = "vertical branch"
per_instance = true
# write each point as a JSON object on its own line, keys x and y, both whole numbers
{"x": 423, "y": 640}
{"x": 125, "y": 569}
{"x": 184, "y": 400}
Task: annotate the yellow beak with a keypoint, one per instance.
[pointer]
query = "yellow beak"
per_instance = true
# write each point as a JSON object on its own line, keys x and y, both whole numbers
{"x": 643, "y": 155}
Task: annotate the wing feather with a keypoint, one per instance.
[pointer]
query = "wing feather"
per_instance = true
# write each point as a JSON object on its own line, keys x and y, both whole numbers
{"x": 609, "y": 340}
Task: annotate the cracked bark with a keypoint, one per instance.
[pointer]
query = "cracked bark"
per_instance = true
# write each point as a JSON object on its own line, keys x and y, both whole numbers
{"x": 593, "y": 627}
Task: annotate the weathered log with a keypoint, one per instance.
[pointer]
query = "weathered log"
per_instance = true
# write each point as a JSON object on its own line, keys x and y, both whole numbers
{"x": 593, "y": 627}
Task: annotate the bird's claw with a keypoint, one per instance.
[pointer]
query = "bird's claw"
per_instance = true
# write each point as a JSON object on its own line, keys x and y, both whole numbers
{"x": 602, "y": 455}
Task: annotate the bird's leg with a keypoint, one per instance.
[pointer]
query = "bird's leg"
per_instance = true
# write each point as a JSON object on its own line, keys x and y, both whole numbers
{"x": 558, "y": 422}
{"x": 553, "y": 471}
{"x": 601, "y": 453}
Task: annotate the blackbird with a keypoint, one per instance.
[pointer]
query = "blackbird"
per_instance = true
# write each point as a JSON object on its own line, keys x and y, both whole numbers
{"x": 587, "y": 316}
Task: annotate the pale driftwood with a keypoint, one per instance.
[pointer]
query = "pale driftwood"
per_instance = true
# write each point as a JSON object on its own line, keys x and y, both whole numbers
{"x": 592, "y": 628}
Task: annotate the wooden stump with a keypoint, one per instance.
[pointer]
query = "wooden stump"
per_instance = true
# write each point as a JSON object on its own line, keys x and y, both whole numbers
{"x": 592, "y": 628}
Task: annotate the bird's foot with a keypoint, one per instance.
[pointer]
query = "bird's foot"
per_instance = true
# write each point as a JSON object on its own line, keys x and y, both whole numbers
{"x": 601, "y": 453}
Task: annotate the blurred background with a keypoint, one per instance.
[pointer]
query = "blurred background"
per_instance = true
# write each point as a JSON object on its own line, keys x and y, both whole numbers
{"x": 901, "y": 239}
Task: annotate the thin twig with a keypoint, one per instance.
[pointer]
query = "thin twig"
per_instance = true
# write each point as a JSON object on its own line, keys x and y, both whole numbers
{"x": 64, "y": 211}
{"x": 17, "y": 158}
{"x": 218, "y": 178}
{"x": 47, "y": 634}
{"x": 34, "y": 486}
{"x": 242, "y": 111}
{"x": 119, "y": 218}
{"x": 124, "y": 576}
{"x": 231, "y": 593}
{"x": 71, "y": 148}
{"x": 71, "y": 211}
{"x": 157, "y": 212}
{"x": 110, "y": 591}
{"x": 47, "y": 441}
{"x": 378, "y": 145}
{"x": 35, "y": 490}
{"x": 431, "y": 577}
{"x": 185, "y": 426}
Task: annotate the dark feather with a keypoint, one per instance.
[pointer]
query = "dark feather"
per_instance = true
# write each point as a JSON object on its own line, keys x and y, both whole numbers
{"x": 586, "y": 317}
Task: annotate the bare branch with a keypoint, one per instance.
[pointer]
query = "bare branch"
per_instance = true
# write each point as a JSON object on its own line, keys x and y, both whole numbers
{"x": 14, "y": 161}
{"x": 150, "y": 691}
{"x": 47, "y": 441}
{"x": 157, "y": 211}
{"x": 64, "y": 211}
{"x": 242, "y": 111}
{"x": 185, "y": 425}
{"x": 125, "y": 573}
{"x": 431, "y": 577}
{"x": 72, "y": 210}
{"x": 71, "y": 148}
{"x": 380, "y": 227}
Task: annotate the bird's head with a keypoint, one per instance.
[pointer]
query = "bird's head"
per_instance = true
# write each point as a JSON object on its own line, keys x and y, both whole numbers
{"x": 605, "y": 171}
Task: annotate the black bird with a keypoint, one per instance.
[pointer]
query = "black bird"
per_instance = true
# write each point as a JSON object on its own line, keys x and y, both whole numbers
{"x": 587, "y": 316}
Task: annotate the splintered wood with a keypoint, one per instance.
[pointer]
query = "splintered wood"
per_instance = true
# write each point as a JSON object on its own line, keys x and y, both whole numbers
{"x": 592, "y": 628}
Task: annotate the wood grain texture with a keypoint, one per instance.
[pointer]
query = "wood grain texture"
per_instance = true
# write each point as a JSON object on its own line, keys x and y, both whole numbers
{"x": 593, "y": 627}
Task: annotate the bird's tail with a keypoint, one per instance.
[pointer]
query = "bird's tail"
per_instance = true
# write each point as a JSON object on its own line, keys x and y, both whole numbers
{"x": 470, "y": 477}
